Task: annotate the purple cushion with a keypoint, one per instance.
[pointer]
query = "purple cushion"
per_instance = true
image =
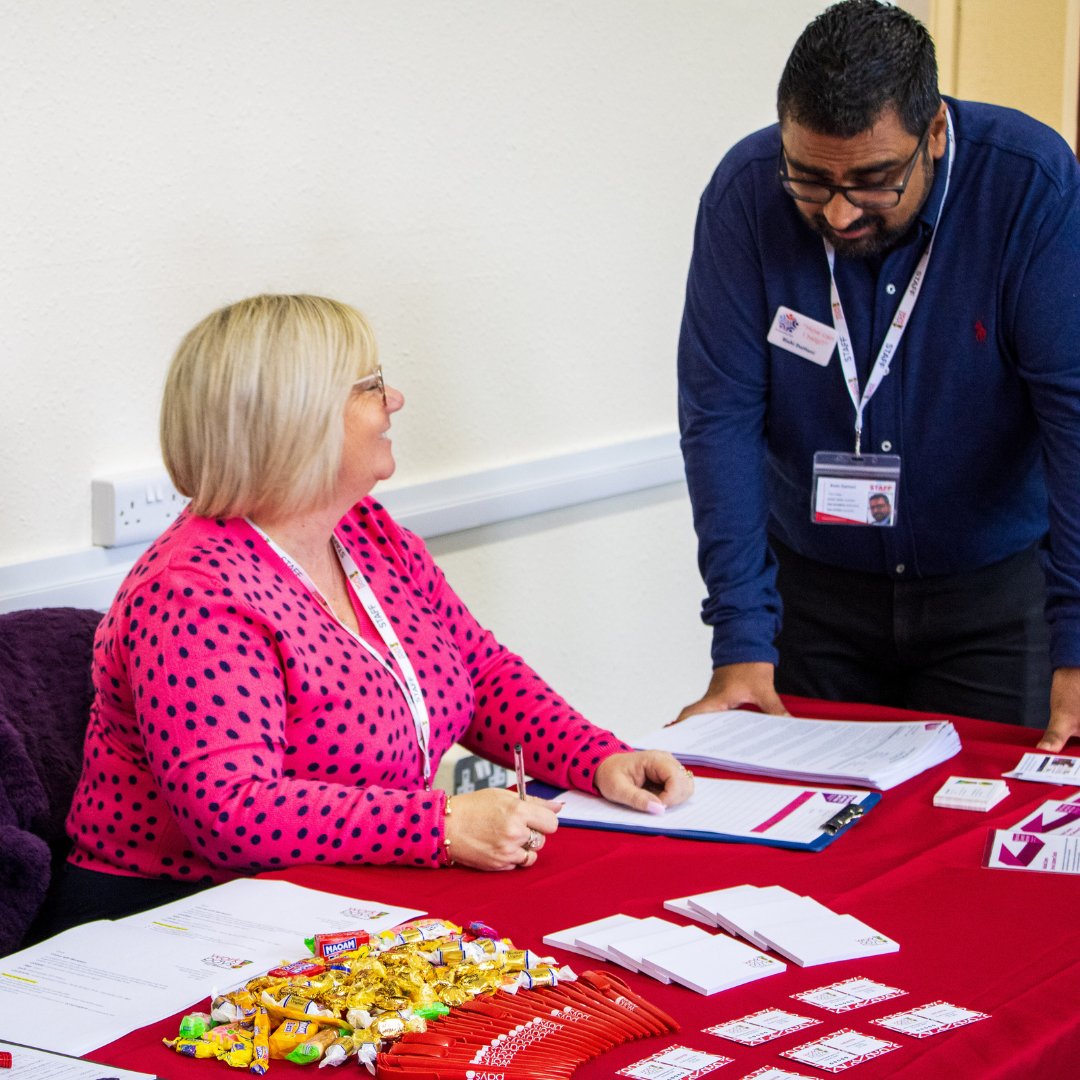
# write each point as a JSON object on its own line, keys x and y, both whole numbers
{"x": 45, "y": 697}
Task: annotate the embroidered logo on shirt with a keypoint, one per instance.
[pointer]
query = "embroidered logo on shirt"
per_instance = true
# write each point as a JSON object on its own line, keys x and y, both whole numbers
{"x": 980, "y": 331}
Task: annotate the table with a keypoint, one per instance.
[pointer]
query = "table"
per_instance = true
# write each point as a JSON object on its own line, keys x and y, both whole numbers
{"x": 1003, "y": 942}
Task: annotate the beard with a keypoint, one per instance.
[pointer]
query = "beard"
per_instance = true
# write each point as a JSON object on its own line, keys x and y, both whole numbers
{"x": 881, "y": 236}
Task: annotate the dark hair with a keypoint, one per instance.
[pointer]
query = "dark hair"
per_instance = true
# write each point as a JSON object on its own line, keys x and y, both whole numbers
{"x": 854, "y": 60}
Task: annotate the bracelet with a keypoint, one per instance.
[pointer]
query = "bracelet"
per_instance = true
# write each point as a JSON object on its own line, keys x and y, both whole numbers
{"x": 447, "y": 858}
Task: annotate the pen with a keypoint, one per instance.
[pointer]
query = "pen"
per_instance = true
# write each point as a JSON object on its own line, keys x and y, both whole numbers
{"x": 519, "y": 768}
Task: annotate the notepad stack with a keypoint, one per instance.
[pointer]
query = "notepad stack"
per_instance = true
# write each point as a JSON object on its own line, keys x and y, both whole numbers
{"x": 970, "y": 793}
{"x": 668, "y": 952}
{"x": 798, "y": 927}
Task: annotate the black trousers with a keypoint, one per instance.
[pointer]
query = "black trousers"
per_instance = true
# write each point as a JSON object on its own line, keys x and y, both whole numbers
{"x": 974, "y": 644}
{"x": 78, "y": 895}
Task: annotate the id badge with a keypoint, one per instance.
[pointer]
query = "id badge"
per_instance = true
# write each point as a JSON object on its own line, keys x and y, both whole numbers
{"x": 850, "y": 490}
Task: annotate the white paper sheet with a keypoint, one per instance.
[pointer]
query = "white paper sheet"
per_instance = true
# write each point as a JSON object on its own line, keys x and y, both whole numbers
{"x": 750, "y": 809}
{"x": 265, "y": 921}
{"x": 28, "y": 1063}
{"x": 879, "y": 755}
{"x": 108, "y": 978}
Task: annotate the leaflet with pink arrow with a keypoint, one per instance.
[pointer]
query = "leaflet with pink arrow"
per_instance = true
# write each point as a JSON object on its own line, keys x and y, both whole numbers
{"x": 1054, "y": 853}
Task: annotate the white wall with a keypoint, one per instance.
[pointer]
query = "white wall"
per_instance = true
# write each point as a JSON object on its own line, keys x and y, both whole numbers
{"x": 506, "y": 187}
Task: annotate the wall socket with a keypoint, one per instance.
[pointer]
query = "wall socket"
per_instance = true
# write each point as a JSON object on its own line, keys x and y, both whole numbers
{"x": 133, "y": 507}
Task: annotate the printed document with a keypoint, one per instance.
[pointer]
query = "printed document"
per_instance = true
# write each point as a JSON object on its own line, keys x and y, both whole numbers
{"x": 723, "y": 809}
{"x": 864, "y": 753}
{"x": 28, "y": 1063}
{"x": 107, "y": 978}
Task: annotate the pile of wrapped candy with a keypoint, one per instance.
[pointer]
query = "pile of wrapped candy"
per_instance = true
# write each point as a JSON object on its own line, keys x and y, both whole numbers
{"x": 356, "y": 995}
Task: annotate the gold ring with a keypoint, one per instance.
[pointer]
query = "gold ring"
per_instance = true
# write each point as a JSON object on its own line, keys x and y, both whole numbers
{"x": 534, "y": 841}
{"x": 687, "y": 771}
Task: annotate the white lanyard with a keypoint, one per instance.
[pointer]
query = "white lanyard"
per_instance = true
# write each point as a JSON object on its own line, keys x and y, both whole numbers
{"x": 900, "y": 319}
{"x": 410, "y": 688}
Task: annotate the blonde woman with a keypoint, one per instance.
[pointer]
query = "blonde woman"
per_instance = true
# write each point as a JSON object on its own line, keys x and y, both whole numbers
{"x": 283, "y": 669}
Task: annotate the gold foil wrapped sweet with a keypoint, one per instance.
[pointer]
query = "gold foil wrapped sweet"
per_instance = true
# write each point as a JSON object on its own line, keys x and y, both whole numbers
{"x": 371, "y": 994}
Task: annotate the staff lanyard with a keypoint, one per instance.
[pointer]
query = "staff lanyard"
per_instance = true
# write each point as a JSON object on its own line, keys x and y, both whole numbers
{"x": 900, "y": 319}
{"x": 410, "y": 687}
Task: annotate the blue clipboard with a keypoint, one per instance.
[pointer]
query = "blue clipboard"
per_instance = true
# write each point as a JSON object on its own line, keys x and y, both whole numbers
{"x": 869, "y": 800}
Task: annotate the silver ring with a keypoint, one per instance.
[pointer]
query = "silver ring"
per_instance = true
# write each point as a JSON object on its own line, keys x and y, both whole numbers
{"x": 534, "y": 841}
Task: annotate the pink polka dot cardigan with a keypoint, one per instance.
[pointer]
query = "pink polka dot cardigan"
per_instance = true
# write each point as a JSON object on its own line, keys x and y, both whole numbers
{"x": 238, "y": 727}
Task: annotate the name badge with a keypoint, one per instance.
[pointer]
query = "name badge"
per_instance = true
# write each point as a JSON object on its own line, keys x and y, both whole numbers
{"x": 850, "y": 490}
{"x": 803, "y": 336}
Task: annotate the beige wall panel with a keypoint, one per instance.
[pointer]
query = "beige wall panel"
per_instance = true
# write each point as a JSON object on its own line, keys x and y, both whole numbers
{"x": 1019, "y": 54}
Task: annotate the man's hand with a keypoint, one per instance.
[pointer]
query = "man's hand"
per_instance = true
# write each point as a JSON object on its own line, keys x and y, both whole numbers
{"x": 1064, "y": 710}
{"x": 735, "y": 685}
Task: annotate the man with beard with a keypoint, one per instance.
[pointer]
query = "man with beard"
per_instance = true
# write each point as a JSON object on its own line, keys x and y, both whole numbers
{"x": 883, "y": 295}
{"x": 880, "y": 509}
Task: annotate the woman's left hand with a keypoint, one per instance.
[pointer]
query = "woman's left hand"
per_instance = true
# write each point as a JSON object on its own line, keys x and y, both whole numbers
{"x": 646, "y": 780}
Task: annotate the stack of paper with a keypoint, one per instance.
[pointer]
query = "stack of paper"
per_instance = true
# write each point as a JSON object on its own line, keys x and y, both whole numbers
{"x": 970, "y": 793}
{"x": 797, "y": 927}
{"x": 864, "y": 753}
{"x": 1048, "y": 768}
{"x": 668, "y": 952}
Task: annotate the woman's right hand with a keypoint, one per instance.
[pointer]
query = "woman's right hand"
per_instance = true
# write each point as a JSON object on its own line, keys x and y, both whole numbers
{"x": 493, "y": 829}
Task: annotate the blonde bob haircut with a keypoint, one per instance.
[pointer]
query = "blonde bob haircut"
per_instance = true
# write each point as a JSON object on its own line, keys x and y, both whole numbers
{"x": 252, "y": 418}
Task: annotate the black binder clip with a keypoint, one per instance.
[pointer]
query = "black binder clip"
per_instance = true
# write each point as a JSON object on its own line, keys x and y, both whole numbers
{"x": 841, "y": 818}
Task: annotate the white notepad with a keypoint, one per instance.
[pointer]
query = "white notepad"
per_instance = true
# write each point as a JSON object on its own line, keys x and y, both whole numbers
{"x": 595, "y": 942}
{"x": 712, "y": 964}
{"x": 754, "y": 922}
{"x": 828, "y": 939}
{"x": 567, "y": 939}
{"x": 631, "y": 950}
{"x": 724, "y": 906}
{"x": 681, "y": 906}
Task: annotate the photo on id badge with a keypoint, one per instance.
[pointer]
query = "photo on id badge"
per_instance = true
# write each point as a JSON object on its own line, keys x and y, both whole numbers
{"x": 846, "y": 500}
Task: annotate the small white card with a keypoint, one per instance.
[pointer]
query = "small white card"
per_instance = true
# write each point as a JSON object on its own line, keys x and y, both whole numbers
{"x": 675, "y": 1063}
{"x": 840, "y": 1051}
{"x": 1047, "y": 768}
{"x": 1009, "y": 849}
{"x": 930, "y": 1019}
{"x": 761, "y": 1027}
{"x": 803, "y": 336}
{"x": 848, "y": 994}
{"x": 853, "y": 500}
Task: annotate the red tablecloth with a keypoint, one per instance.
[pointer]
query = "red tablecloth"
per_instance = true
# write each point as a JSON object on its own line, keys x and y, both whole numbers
{"x": 1003, "y": 942}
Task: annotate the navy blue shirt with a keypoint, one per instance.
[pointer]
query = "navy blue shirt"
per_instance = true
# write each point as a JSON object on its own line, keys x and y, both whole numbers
{"x": 982, "y": 402}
